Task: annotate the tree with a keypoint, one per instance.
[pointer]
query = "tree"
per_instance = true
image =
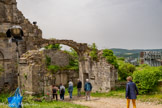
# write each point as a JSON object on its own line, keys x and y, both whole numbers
{"x": 109, "y": 55}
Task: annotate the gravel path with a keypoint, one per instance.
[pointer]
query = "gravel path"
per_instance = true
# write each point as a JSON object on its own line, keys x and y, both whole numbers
{"x": 112, "y": 103}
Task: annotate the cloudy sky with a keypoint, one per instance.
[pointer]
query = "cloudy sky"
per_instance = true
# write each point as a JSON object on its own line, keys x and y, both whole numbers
{"x": 131, "y": 24}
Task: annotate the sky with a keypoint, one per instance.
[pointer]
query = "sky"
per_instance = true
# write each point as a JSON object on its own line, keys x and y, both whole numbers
{"x": 131, "y": 24}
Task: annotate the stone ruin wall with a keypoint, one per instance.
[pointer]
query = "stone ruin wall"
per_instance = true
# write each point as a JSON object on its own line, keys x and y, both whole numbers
{"x": 101, "y": 74}
{"x": 34, "y": 77}
{"x": 9, "y": 16}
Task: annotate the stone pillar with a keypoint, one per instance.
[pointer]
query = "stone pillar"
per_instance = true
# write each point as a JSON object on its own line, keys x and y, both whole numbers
{"x": 81, "y": 74}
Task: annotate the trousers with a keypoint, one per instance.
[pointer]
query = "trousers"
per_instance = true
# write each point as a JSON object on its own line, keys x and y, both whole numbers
{"x": 133, "y": 101}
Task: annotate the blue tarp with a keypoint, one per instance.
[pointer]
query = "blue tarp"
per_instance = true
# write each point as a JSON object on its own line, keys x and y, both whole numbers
{"x": 15, "y": 101}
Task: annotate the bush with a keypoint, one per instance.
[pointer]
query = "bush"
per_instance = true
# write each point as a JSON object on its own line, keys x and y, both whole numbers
{"x": 109, "y": 55}
{"x": 147, "y": 78}
{"x": 160, "y": 68}
{"x": 125, "y": 70}
{"x": 53, "y": 68}
{"x": 93, "y": 53}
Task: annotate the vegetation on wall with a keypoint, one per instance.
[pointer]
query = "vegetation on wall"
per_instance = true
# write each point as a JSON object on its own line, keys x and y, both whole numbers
{"x": 108, "y": 54}
{"x": 93, "y": 53}
{"x": 48, "y": 60}
{"x": 53, "y": 68}
{"x": 74, "y": 60}
{"x": 54, "y": 46}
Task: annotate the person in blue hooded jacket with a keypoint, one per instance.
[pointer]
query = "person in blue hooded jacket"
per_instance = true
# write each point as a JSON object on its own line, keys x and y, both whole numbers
{"x": 88, "y": 89}
{"x": 131, "y": 92}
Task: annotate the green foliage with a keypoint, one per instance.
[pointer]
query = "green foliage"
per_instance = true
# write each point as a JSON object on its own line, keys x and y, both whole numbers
{"x": 48, "y": 60}
{"x": 93, "y": 53}
{"x": 53, "y": 46}
{"x": 3, "y": 97}
{"x": 160, "y": 69}
{"x": 74, "y": 60}
{"x": 125, "y": 70}
{"x": 53, "y": 68}
{"x": 147, "y": 78}
{"x": 121, "y": 58}
{"x": 108, "y": 54}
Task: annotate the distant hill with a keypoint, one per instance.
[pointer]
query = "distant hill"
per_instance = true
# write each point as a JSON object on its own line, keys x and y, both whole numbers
{"x": 135, "y": 53}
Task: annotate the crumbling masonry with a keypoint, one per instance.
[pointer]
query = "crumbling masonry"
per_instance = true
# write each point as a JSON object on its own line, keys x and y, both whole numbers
{"x": 33, "y": 74}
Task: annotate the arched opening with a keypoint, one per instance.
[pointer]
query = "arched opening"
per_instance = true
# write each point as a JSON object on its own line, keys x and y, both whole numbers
{"x": 62, "y": 62}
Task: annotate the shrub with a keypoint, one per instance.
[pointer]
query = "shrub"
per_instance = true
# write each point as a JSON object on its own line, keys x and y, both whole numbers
{"x": 125, "y": 69}
{"x": 109, "y": 55}
{"x": 146, "y": 78}
{"x": 160, "y": 69}
{"x": 53, "y": 68}
{"x": 93, "y": 53}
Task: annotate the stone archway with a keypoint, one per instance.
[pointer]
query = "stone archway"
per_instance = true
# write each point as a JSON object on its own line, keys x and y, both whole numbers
{"x": 100, "y": 73}
{"x": 81, "y": 48}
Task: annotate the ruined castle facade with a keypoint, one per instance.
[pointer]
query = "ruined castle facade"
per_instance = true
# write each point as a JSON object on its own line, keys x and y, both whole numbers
{"x": 33, "y": 75}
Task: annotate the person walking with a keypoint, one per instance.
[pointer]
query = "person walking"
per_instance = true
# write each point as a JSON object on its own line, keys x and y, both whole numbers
{"x": 88, "y": 89}
{"x": 62, "y": 91}
{"x": 79, "y": 87}
{"x": 70, "y": 89}
{"x": 131, "y": 92}
{"x": 54, "y": 92}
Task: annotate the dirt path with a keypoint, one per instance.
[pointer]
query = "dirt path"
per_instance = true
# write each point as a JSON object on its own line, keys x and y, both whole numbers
{"x": 112, "y": 103}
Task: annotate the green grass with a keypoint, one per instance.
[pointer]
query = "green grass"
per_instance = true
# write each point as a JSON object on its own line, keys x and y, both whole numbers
{"x": 118, "y": 93}
{"x": 155, "y": 96}
{"x": 53, "y": 104}
{"x": 29, "y": 103}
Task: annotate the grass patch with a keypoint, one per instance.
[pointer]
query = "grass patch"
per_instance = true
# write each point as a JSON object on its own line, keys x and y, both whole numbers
{"x": 28, "y": 102}
{"x": 53, "y": 104}
{"x": 155, "y": 96}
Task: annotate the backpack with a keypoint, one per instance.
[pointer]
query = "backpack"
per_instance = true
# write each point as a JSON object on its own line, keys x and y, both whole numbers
{"x": 54, "y": 91}
{"x": 62, "y": 91}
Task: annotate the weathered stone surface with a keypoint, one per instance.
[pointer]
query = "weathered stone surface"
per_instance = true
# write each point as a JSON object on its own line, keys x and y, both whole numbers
{"x": 101, "y": 74}
{"x": 33, "y": 75}
{"x": 35, "y": 78}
